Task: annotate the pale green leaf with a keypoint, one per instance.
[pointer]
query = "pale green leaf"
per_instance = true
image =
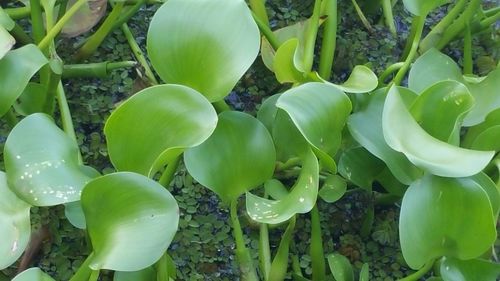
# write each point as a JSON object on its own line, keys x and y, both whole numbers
{"x": 423, "y": 7}
{"x": 333, "y": 189}
{"x": 33, "y": 274}
{"x": 6, "y": 41}
{"x": 340, "y": 267}
{"x": 360, "y": 167}
{"x": 284, "y": 66}
{"x": 453, "y": 269}
{"x": 147, "y": 274}
{"x": 486, "y": 95}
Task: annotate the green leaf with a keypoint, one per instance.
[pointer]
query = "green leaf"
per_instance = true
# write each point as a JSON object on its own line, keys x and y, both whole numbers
{"x": 301, "y": 198}
{"x": 32, "y": 100}
{"x": 364, "y": 274}
{"x": 423, "y": 7}
{"x": 333, "y": 189}
{"x": 453, "y": 269}
{"x": 6, "y": 41}
{"x": 452, "y": 100}
{"x": 146, "y": 274}
{"x": 237, "y": 157}
{"x": 361, "y": 80}
{"x": 156, "y": 125}
{"x": 6, "y": 21}
{"x": 485, "y": 92}
{"x": 41, "y": 162}
{"x": 33, "y": 274}
{"x": 484, "y": 136}
{"x": 422, "y": 149}
{"x": 280, "y": 262}
{"x": 74, "y": 213}
{"x": 16, "y": 69}
{"x": 14, "y": 224}
{"x": 491, "y": 189}
{"x": 268, "y": 111}
{"x": 288, "y": 140}
{"x": 275, "y": 189}
{"x": 340, "y": 267}
{"x": 284, "y": 66}
{"x": 365, "y": 125}
{"x": 360, "y": 167}
{"x": 131, "y": 221}
{"x": 434, "y": 223}
{"x": 320, "y": 112}
{"x": 202, "y": 50}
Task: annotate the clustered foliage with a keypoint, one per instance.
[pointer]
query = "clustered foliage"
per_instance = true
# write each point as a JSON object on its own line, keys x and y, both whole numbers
{"x": 430, "y": 145}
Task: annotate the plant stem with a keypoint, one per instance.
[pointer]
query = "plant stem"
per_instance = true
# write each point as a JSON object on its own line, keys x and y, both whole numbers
{"x": 413, "y": 51}
{"x": 467, "y": 68}
{"x": 310, "y": 39}
{"x": 317, "y": 254}
{"x": 389, "y": 70}
{"x": 66, "y": 120}
{"x": 20, "y": 35}
{"x": 18, "y": 13}
{"x": 421, "y": 272}
{"x": 36, "y": 21}
{"x": 437, "y": 31}
{"x": 485, "y": 23}
{"x": 138, "y": 54}
{"x": 389, "y": 18}
{"x": 62, "y": 9}
{"x": 492, "y": 11}
{"x": 242, "y": 253}
{"x": 267, "y": 32}
{"x": 84, "y": 272}
{"x": 56, "y": 69}
{"x": 130, "y": 12}
{"x": 329, "y": 40}
{"x": 44, "y": 43}
{"x": 280, "y": 261}
{"x": 162, "y": 268}
{"x": 169, "y": 172}
{"x": 264, "y": 250}
{"x": 295, "y": 260}
{"x": 292, "y": 162}
{"x": 259, "y": 9}
{"x": 458, "y": 25}
{"x": 409, "y": 40}
{"x": 96, "y": 39}
{"x": 361, "y": 16}
{"x": 94, "y": 275}
{"x": 99, "y": 69}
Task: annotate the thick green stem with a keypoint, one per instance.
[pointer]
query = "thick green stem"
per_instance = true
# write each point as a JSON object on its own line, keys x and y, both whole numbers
{"x": 467, "y": 68}
{"x": 295, "y": 260}
{"x": 310, "y": 40}
{"x": 138, "y": 54}
{"x": 95, "y": 40}
{"x": 409, "y": 40}
{"x": 389, "y": 70}
{"x": 317, "y": 254}
{"x": 84, "y": 272}
{"x": 485, "y": 23}
{"x": 459, "y": 25}
{"x": 264, "y": 250}
{"x": 56, "y": 69}
{"x": 20, "y": 35}
{"x": 421, "y": 272}
{"x": 162, "y": 268}
{"x": 242, "y": 253}
{"x": 388, "y": 16}
{"x": 290, "y": 163}
{"x": 259, "y": 8}
{"x": 267, "y": 32}
{"x": 329, "y": 40}
{"x": 18, "y": 13}
{"x": 169, "y": 173}
{"x": 62, "y": 9}
{"x": 130, "y": 12}
{"x": 361, "y": 16}
{"x": 66, "y": 120}
{"x": 44, "y": 43}
{"x": 99, "y": 69}
{"x": 492, "y": 11}
{"x": 36, "y": 20}
{"x": 413, "y": 51}
{"x": 94, "y": 275}
{"x": 437, "y": 31}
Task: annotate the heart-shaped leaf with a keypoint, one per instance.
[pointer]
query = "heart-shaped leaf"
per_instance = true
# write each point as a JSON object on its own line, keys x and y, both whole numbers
{"x": 202, "y": 50}
{"x": 14, "y": 224}
{"x": 402, "y": 133}
{"x": 131, "y": 221}
{"x": 340, "y": 267}
{"x": 434, "y": 223}
{"x": 156, "y": 125}
{"x": 423, "y": 7}
{"x": 333, "y": 189}
{"x": 365, "y": 125}
{"x": 301, "y": 198}
{"x": 320, "y": 112}
{"x": 41, "y": 162}
{"x": 237, "y": 157}
{"x": 452, "y": 100}
{"x": 453, "y": 269}
{"x": 33, "y": 274}
{"x": 484, "y": 136}
{"x": 16, "y": 69}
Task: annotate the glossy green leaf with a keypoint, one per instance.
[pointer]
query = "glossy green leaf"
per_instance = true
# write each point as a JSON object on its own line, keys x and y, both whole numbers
{"x": 275, "y": 189}
{"x": 202, "y": 50}
{"x": 284, "y": 66}
{"x": 156, "y": 125}
{"x": 301, "y": 198}
{"x": 320, "y": 112}
{"x": 423, "y": 7}
{"x": 361, "y": 80}
{"x": 484, "y": 136}
{"x": 434, "y": 223}
{"x": 485, "y": 92}
{"x": 131, "y": 221}
{"x": 453, "y": 269}
{"x": 452, "y": 100}
{"x": 6, "y": 21}
{"x": 14, "y": 224}
{"x": 6, "y": 41}
{"x": 364, "y": 274}
{"x": 33, "y": 274}
{"x": 360, "y": 167}
{"x": 74, "y": 213}
{"x": 41, "y": 162}
{"x": 422, "y": 149}
{"x": 87, "y": 17}
{"x": 365, "y": 125}
{"x": 340, "y": 267}
{"x": 333, "y": 189}
{"x": 147, "y": 274}
{"x": 16, "y": 69}
{"x": 288, "y": 140}
{"x": 237, "y": 157}
{"x": 268, "y": 111}
{"x": 491, "y": 189}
